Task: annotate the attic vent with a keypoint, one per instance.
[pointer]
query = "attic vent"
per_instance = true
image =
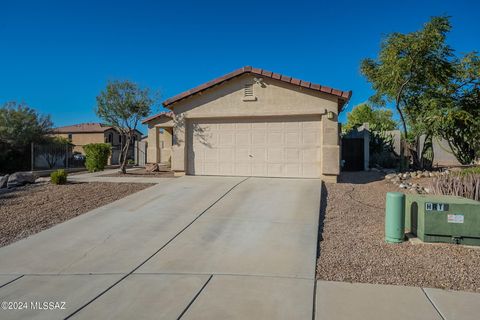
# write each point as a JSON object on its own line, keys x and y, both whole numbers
{"x": 249, "y": 90}
{"x": 248, "y": 93}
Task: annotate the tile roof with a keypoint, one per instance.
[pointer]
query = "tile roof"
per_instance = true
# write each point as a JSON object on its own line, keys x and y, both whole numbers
{"x": 90, "y": 127}
{"x": 344, "y": 96}
{"x": 164, "y": 113}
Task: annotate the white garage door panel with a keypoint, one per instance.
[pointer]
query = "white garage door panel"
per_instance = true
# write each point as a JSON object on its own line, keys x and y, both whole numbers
{"x": 270, "y": 147}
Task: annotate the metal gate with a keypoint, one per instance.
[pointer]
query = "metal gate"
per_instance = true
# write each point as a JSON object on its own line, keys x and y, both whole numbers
{"x": 140, "y": 153}
{"x": 353, "y": 154}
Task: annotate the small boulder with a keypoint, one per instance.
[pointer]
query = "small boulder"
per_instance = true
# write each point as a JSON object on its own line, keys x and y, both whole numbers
{"x": 390, "y": 176}
{"x": 3, "y": 181}
{"x": 402, "y": 186}
{"x": 152, "y": 167}
{"x": 18, "y": 179}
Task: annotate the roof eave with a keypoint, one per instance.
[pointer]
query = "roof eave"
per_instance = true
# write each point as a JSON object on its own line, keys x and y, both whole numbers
{"x": 343, "y": 95}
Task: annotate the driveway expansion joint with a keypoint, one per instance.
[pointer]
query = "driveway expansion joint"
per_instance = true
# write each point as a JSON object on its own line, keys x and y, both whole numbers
{"x": 195, "y": 297}
{"x": 156, "y": 252}
{"x": 433, "y": 304}
{"x": 6, "y": 284}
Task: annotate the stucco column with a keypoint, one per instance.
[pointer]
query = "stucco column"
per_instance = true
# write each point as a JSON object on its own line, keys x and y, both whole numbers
{"x": 179, "y": 143}
{"x": 152, "y": 145}
{"x": 330, "y": 149}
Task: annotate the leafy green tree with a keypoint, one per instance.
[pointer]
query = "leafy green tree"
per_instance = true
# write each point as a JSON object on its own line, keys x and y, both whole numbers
{"x": 378, "y": 119}
{"x": 122, "y": 105}
{"x": 406, "y": 65}
{"x": 20, "y": 125}
{"x": 455, "y": 109}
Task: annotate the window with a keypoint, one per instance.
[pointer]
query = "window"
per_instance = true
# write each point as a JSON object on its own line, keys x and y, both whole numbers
{"x": 248, "y": 94}
{"x": 109, "y": 138}
{"x": 70, "y": 137}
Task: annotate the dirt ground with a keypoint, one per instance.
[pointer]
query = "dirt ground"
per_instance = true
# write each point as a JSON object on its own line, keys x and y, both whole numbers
{"x": 33, "y": 208}
{"x": 141, "y": 172}
{"x": 352, "y": 246}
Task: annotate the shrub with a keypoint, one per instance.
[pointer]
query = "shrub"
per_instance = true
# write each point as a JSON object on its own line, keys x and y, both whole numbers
{"x": 463, "y": 185}
{"x": 58, "y": 177}
{"x": 96, "y": 156}
{"x": 471, "y": 170}
{"x": 131, "y": 162}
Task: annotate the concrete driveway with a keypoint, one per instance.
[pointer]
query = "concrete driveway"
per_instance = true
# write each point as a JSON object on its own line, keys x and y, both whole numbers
{"x": 190, "y": 248}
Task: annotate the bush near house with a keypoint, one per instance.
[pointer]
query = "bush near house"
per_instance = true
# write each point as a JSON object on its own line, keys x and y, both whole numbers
{"x": 58, "y": 177}
{"x": 97, "y": 156}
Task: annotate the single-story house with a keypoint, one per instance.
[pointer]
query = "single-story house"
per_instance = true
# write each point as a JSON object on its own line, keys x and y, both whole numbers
{"x": 250, "y": 122}
{"x": 85, "y": 133}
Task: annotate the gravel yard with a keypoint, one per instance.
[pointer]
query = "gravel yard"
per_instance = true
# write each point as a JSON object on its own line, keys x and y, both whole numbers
{"x": 352, "y": 246}
{"x": 33, "y": 208}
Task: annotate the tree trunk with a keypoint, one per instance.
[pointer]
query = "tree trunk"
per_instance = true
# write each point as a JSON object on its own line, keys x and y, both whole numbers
{"x": 123, "y": 166}
{"x": 402, "y": 147}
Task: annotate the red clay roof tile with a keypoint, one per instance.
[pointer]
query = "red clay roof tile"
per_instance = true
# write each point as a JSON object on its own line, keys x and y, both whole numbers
{"x": 343, "y": 95}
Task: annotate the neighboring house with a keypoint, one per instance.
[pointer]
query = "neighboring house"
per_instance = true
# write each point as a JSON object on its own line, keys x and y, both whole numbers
{"x": 251, "y": 122}
{"x": 85, "y": 133}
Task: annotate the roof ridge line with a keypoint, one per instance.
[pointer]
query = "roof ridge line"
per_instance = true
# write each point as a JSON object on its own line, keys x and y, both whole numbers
{"x": 344, "y": 95}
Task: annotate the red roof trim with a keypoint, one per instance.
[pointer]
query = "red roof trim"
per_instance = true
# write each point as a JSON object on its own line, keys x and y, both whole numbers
{"x": 343, "y": 95}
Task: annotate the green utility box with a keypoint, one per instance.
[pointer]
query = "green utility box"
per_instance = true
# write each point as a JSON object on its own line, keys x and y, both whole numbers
{"x": 443, "y": 219}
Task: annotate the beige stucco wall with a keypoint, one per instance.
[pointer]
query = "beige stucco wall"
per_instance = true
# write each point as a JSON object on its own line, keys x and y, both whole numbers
{"x": 274, "y": 98}
{"x": 81, "y": 139}
{"x": 155, "y": 153}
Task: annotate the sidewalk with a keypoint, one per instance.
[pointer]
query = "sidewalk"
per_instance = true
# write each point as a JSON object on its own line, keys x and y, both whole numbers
{"x": 342, "y": 300}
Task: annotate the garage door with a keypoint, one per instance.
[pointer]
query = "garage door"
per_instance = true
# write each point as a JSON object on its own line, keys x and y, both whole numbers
{"x": 269, "y": 147}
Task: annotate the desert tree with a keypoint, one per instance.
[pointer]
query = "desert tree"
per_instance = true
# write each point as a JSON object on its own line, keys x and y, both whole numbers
{"x": 20, "y": 125}
{"x": 122, "y": 104}
{"x": 406, "y": 66}
{"x": 378, "y": 119}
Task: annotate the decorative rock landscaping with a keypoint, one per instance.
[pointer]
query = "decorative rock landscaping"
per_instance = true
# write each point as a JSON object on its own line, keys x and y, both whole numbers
{"x": 17, "y": 179}
{"x": 409, "y": 180}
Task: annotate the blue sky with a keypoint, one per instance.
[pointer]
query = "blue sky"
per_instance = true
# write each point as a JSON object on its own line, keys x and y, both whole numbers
{"x": 57, "y": 55}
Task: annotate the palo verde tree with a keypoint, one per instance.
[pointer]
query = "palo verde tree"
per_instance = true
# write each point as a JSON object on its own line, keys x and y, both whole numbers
{"x": 122, "y": 105}
{"x": 407, "y": 65}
